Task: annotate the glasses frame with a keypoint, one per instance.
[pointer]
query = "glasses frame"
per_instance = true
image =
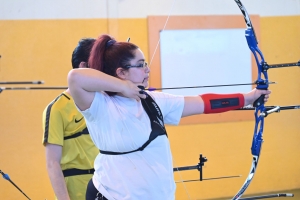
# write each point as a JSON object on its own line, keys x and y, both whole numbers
{"x": 142, "y": 65}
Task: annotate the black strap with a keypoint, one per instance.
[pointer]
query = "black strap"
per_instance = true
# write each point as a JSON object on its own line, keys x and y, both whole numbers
{"x": 84, "y": 131}
{"x": 75, "y": 172}
{"x": 157, "y": 125}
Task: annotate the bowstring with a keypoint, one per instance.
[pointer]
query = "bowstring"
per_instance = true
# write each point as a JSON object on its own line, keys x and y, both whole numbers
{"x": 156, "y": 47}
{"x": 158, "y": 42}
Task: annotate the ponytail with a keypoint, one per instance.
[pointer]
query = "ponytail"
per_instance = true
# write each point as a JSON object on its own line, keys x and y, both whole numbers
{"x": 107, "y": 55}
{"x": 97, "y": 55}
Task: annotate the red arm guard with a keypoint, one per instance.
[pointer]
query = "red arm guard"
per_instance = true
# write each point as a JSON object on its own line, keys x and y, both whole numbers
{"x": 216, "y": 103}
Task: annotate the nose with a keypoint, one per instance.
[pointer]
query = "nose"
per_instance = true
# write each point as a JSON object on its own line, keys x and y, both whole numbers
{"x": 147, "y": 68}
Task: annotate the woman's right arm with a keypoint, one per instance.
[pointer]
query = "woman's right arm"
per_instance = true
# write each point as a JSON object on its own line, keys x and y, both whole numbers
{"x": 84, "y": 82}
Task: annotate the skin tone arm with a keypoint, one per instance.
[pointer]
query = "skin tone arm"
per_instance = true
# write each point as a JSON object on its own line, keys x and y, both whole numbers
{"x": 83, "y": 83}
{"x": 53, "y": 157}
{"x": 194, "y": 104}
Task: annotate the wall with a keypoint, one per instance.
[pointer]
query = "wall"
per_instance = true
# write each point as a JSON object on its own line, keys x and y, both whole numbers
{"x": 36, "y": 41}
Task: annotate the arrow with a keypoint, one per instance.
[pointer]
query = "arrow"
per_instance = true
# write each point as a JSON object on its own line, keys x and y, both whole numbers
{"x": 204, "y": 86}
{"x": 207, "y": 179}
{"x": 22, "y": 82}
{"x": 33, "y": 88}
{"x": 269, "y": 196}
{"x": 6, "y": 177}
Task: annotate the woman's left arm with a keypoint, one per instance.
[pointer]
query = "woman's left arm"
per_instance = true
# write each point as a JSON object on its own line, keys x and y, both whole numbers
{"x": 194, "y": 105}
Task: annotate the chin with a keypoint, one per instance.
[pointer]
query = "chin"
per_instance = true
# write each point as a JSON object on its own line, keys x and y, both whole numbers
{"x": 146, "y": 84}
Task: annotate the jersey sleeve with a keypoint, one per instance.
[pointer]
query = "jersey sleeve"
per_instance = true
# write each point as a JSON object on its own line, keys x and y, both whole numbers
{"x": 53, "y": 126}
{"x": 171, "y": 106}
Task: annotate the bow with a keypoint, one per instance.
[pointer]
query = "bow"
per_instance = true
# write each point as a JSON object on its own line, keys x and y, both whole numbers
{"x": 262, "y": 84}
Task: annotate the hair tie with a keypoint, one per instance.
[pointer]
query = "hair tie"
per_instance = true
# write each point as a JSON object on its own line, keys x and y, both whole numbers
{"x": 110, "y": 42}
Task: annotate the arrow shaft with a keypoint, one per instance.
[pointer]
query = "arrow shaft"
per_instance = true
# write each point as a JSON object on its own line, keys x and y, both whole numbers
{"x": 268, "y": 196}
{"x": 207, "y": 179}
{"x": 33, "y": 88}
{"x": 203, "y": 86}
{"x": 21, "y": 82}
{"x": 6, "y": 177}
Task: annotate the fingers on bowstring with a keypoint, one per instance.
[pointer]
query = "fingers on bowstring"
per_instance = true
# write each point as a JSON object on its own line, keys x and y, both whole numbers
{"x": 142, "y": 95}
{"x": 142, "y": 91}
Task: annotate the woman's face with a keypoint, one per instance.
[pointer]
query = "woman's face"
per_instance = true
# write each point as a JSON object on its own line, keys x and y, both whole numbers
{"x": 138, "y": 71}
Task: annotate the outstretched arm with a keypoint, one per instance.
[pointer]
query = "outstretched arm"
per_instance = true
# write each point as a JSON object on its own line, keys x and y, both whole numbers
{"x": 195, "y": 104}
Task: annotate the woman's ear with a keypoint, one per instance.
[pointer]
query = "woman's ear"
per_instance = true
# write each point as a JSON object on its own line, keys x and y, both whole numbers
{"x": 82, "y": 65}
{"x": 121, "y": 73}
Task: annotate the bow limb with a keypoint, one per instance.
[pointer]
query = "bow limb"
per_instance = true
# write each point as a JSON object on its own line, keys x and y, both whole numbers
{"x": 262, "y": 84}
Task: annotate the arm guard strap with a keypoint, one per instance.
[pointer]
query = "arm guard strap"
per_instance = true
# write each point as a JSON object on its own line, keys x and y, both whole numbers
{"x": 217, "y": 103}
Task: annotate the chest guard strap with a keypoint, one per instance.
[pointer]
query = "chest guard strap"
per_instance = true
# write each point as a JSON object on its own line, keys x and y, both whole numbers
{"x": 157, "y": 125}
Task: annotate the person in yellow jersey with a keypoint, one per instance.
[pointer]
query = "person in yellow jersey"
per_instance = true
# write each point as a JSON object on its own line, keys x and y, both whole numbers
{"x": 70, "y": 152}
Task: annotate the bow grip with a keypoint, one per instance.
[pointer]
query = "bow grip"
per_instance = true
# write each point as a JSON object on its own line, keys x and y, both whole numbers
{"x": 260, "y": 100}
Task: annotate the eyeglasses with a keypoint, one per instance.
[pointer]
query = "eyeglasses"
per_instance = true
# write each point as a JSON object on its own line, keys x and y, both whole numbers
{"x": 142, "y": 65}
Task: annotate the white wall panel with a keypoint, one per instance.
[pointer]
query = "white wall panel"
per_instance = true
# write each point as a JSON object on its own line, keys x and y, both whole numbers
{"x": 86, "y": 9}
{"x": 187, "y": 55}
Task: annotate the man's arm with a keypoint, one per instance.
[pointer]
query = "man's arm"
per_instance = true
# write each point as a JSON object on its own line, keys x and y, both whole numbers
{"x": 53, "y": 157}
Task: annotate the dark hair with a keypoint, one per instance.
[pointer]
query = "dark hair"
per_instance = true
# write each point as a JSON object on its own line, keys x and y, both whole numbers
{"x": 82, "y": 52}
{"x": 107, "y": 55}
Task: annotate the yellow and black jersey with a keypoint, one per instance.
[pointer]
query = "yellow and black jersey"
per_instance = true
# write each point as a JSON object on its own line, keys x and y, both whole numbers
{"x": 64, "y": 125}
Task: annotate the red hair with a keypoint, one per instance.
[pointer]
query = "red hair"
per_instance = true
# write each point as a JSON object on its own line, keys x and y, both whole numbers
{"x": 107, "y": 54}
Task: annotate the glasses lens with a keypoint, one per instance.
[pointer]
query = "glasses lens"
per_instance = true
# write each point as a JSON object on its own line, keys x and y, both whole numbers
{"x": 142, "y": 65}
